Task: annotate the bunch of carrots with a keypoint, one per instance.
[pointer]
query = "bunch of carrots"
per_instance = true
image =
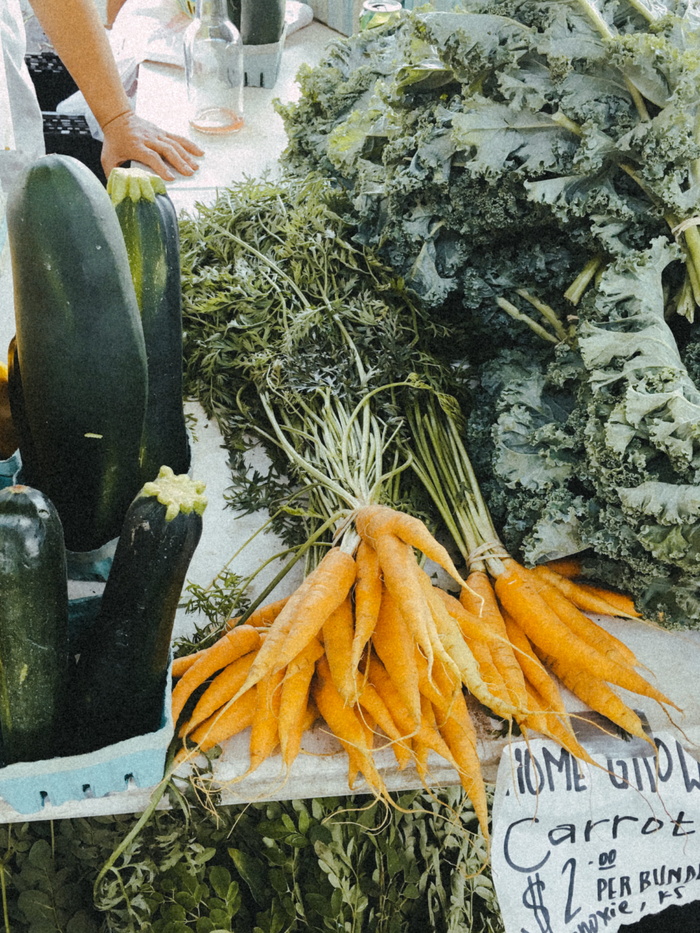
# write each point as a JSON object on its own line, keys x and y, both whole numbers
{"x": 370, "y": 645}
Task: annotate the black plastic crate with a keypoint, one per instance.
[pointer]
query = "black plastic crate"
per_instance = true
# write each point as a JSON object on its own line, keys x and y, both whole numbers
{"x": 52, "y": 81}
{"x": 70, "y": 135}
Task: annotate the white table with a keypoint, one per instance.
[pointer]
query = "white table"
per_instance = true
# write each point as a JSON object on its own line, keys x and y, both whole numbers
{"x": 161, "y": 97}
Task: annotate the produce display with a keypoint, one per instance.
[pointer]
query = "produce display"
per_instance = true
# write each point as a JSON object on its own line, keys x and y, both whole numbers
{"x": 330, "y": 364}
{"x": 531, "y": 170}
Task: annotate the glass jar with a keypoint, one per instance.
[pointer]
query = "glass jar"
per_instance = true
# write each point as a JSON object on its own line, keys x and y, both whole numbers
{"x": 214, "y": 69}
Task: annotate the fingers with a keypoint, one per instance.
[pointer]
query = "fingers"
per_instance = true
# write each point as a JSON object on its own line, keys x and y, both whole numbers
{"x": 131, "y": 138}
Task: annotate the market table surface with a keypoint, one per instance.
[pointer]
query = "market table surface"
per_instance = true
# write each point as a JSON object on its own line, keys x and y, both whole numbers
{"x": 322, "y": 769}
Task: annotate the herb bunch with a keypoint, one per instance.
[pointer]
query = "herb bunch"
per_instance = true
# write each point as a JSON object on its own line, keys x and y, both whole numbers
{"x": 295, "y": 340}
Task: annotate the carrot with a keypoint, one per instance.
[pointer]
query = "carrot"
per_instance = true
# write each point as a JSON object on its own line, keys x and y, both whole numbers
{"x": 231, "y": 645}
{"x": 552, "y": 725}
{"x": 402, "y": 577}
{"x": 479, "y": 597}
{"x": 378, "y": 677}
{"x": 372, "y": 703}
{"x": 586, "y": 598}
{"x": 347, "y": 727}
{"x": 181, "y": 665}
{"x": 266, "y": 614}
{"x": 264, "y": 732}
{"x": 554, "y": 638}
{"x": 460, "y": 653}
{"x": 427, "y": 739}
{"x": 623, "y": 605}
{"x": 536, "y": 676}
{"x": 225, "y": 722}
{"x": 438, "y": 685}
{"x": 368, "y": 597}
{"x": 302, "y": 618}
{"x": 595, "y": 693}
{"x": 566, "y": 566}
{"x": 581, "y": 625}
{"x": 460, "y": 737}
{"x": 394, "y": 645}
{"x": 488, "y": 670}
{"x": 337, "y": 633}
{"x": 218, "y": 692}
{"x": 294, "y": 700}
{"x": 374, "y": 521}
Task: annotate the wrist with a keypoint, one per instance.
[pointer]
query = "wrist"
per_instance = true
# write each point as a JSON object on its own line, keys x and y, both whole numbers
{"x": 117, "y": 116}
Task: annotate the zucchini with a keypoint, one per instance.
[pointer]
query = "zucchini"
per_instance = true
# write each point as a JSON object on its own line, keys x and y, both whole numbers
{"x": 262, "y": 23}
{"x": 121, "y": 672}
{"x": 149, "y": 224}
{"x": 80, "y": 346}
{"x": 33, "y": 625}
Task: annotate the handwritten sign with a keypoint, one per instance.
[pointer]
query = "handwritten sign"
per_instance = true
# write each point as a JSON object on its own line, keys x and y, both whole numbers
{"x": 584, "y": 849}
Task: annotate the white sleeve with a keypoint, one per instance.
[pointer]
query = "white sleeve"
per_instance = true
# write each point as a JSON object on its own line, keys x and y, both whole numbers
{"x": 22, "y": 131}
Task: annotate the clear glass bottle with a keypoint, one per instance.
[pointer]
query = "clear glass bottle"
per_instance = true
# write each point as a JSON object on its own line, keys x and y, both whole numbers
{"x": 214, "y": 69}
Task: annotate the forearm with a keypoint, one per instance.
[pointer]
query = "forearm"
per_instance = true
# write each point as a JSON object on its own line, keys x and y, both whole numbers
{"x": 81, "y": 41}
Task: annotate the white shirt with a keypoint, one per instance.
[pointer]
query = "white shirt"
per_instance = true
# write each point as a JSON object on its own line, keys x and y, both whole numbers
{"x": 25, "y": 133}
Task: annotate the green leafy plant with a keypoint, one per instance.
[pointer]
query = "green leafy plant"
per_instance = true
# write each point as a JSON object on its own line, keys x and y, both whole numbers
{"x": 306, "y": 865}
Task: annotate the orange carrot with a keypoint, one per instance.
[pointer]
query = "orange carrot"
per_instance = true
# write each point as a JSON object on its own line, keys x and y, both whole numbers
{"x": 337, "y": 633}
{"x": 231, "y": 645}
{"x": 266, "y": 614}
{"x": 427, "y": 739}
{"x": 553, "y": 637}
{"x": 460, "y": 737}
{"x": 599, "y": 696}
{"x": 395, "y": 647}
{"x": 536, "y": 675}
{"x": 302, "y": 618}
{"x": 183, "y": 664}
{"x": 402, "y": 577}
{"x": 225, "y": 723}
{"x": 347, "y": 727}
{"x": 583, "y": 596}
{"x": 372, "y": 703}
{"x": 368, "y": 597}
{"x": 380, "y": 680}
{"x": 264, "y": 732}
{"x": 218, "y": 692}
{"x": 622, "y": 605}
{"x": 552, "y": 725}
{"x": 460, "y": 654}
{"x": 294, "y": 700}
{"x": 479, "y": 597}
{"x": 375, "y": 521}
{"x": 438, "y": 685}
{"x": 581, "y": 625}
{"x": 566, "y": 566}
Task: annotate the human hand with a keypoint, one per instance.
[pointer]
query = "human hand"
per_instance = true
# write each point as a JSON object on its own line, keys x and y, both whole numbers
{"x": 128, "y": 137}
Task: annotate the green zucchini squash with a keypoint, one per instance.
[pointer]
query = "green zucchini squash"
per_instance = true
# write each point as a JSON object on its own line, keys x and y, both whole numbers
{"x": 262, "y": 22}
{"x": 121, "y": 672}
{"x": 33, "y": 625}
{"x": 149, "y": 224}
{"x": 80, "y": 347}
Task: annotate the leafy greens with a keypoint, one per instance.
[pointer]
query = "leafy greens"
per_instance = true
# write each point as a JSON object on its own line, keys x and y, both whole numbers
{"x": 531, "y": 168}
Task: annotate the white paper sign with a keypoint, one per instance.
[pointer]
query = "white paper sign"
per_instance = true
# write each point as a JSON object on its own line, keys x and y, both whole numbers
{"x": 579, "y": 849}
